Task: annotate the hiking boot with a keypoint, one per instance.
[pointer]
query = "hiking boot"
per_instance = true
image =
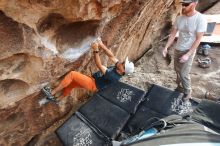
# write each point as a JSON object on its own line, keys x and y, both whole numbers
{"x": 187, "y": 97}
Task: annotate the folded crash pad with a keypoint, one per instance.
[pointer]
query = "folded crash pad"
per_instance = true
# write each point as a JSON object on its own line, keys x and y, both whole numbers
{"x": 123, "y": 95}
{"x": 207, "y": 113}
{"x": 185, "y": 134}
{"x": 104, "y": 115}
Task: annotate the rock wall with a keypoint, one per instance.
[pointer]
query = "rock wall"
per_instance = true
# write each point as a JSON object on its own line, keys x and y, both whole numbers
{"x": 42, "y": 40}
{"x": 206, "y": 4}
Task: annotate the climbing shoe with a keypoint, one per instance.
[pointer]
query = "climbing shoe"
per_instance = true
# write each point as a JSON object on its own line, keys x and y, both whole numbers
{"x": 47, "y": 91}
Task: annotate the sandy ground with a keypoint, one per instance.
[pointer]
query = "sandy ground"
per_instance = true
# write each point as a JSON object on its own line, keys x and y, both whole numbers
{"x": 214, "y": 10}
{"x": 152, "y": 69}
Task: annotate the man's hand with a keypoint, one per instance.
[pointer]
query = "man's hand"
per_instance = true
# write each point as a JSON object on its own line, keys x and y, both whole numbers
{"x": 184, "y": 58}
{"x": 107, "y": 51}
{"x": 95, "y": 46}
{"x": 164, "y": 52}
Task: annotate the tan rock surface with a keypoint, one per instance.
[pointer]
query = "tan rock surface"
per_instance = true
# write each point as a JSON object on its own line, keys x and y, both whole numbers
{"x": 42, "y": 40}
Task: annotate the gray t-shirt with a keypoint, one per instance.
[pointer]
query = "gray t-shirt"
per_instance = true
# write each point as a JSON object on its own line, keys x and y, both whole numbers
{"x": 188, "y": 27}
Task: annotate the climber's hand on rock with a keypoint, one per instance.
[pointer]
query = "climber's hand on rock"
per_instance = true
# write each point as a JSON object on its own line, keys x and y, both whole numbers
{"x": 94, "y": 46}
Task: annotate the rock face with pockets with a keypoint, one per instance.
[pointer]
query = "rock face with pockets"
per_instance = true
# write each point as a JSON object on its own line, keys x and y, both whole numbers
{"x": 42, "y": 40}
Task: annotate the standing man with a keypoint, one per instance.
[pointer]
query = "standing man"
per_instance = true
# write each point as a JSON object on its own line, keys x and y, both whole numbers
{"x": 191, "y": 27}
{"x": 101, "y": 79}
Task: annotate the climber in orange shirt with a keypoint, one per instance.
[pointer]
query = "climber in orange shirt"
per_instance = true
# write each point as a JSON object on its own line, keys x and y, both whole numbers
{"x": 104, "y": 77}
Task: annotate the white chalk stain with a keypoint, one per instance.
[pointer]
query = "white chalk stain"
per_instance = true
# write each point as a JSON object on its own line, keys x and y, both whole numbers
{"x": 43, "y": 101}
{"x": 48, "y": 44}
{"x": 181, "y": 107}
{"x": 72, "y": 54}
{"x": 83, "y": 138}
{"x": 124, "y": 95}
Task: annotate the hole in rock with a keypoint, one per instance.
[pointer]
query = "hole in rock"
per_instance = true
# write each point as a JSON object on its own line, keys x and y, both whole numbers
{"x": 45, "y": 3}
{"x": 73, "y": 39}
{"x": 11, "y": 35}
{"x": 11, "y": 89}
{"x": 22, "y": 66}
{"x": 51, "y": 22}
{"x": 72, "y": 34}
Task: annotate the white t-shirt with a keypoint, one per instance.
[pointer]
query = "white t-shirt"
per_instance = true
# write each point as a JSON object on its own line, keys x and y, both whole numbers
{"x": 188, "y": 27}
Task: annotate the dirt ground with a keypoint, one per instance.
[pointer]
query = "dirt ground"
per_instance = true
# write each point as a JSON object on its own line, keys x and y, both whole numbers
{"x": 214, "y": 10}
{"x": 152, "y": 69}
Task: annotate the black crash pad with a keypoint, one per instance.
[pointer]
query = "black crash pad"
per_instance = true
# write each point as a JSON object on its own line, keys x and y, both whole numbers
{"x": 143, "y": 118}
{"x": 159, "y": 102}
{"x": 160, "y": 99}
{"x": 104, "y": 115}
{"x": 123, "y": 95}
{"x": 74, "y": 132}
